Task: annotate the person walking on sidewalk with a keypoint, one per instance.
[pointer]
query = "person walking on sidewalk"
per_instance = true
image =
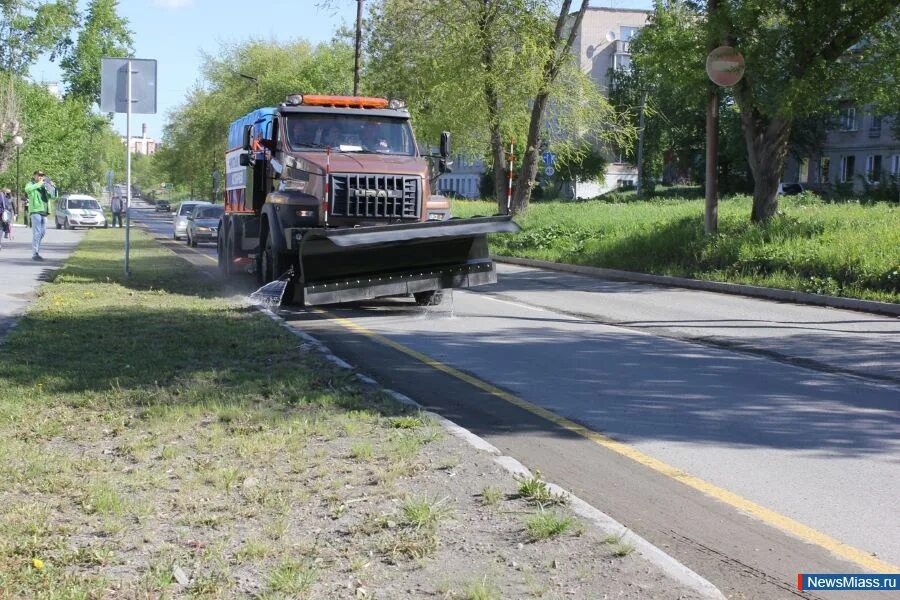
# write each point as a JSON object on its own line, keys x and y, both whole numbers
{"x": 38, "y": 209}
{"x": 115, "y": 206}
{"x": 7, "y": 215}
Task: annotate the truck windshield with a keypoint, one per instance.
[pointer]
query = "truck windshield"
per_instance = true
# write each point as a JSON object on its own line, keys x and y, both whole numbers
{"x": 350, "y": 133}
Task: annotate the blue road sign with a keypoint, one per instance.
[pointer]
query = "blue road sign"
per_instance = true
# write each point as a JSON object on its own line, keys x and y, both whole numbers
{"x": 549, "y": 158}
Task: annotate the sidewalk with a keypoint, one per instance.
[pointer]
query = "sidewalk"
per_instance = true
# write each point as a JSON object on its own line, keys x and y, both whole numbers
{"x": 20, "y": 276}
{"x": 825, "y": 339}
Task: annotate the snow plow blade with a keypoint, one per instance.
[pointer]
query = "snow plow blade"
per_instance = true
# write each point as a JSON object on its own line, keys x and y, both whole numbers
{"x": 362, "y": 263}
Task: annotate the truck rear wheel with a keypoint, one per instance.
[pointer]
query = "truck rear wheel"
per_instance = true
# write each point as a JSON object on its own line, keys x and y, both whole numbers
{"x": 432, "y": 298}
{"x": 224, "y": 250}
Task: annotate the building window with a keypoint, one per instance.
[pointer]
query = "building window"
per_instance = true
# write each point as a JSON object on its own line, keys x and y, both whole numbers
{"x": 873, "y": 168}
{"x": 804, "y": 170}
{"x": 848, "y": 119}
{"x": 824, "y": 169}
{"x": 848, "y": 164}
{"x": 626, "y": 34}
{"x": 875, "y": 128}
{"x": 621, "y": 62}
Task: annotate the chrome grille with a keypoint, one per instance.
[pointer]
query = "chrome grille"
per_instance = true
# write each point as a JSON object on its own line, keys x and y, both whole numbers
{"x": 375, "y": 196}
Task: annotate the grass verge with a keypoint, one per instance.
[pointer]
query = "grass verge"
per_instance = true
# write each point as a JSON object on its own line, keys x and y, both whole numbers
{"x": 148, "y": 422}
{"x": 835, "y": 249}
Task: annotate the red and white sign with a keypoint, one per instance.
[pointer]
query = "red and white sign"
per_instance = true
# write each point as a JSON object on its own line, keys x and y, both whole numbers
{"x": 725, "y": 66}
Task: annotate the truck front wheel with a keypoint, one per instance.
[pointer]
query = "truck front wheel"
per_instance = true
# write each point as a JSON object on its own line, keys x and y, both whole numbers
{"x": 272, "y": 264}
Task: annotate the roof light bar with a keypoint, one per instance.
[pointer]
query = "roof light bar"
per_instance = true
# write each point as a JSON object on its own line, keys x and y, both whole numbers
{"x": 344, "y": 101}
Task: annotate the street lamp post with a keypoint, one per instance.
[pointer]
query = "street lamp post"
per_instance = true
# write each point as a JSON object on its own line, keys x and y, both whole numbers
{"x": 18, "y": 141}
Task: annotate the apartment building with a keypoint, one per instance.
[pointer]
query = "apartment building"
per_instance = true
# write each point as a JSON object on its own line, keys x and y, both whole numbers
{"x": 860, "y": 149}
{"x": 602, "y": 45}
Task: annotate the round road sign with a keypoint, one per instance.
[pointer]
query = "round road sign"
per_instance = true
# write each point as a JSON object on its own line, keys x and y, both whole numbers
{"x": 549, "y": 171}
{"x": 725, "y": 66}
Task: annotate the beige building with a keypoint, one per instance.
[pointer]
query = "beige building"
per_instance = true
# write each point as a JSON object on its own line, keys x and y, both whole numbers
{"x": 601, "y": 45}
{"x": 141, "y": 145}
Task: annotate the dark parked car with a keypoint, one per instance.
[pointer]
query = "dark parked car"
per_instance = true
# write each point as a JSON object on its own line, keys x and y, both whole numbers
{"x": 791, "y": 189}
{"x": 163, "y": 206}
{"x": 203, "y": 223}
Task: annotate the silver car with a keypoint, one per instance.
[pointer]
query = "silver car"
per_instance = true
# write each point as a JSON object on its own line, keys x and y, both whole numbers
{"x": 180, "y": 224}
{"x": 78, "y": 210}
{"x": 203, "y": 223}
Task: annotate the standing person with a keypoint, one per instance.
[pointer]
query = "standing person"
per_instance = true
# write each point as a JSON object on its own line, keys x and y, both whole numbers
{"x": 38, "y": 209}
{"x": 7, "y": 215}
{"x": 25, "y": 220}
{"x": 115, "y": 206}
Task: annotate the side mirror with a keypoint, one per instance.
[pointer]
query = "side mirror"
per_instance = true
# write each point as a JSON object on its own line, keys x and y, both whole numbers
{"x": 445, "y": 144}
{"x": 244, "y": 160}
{"x": 246, "y": 143}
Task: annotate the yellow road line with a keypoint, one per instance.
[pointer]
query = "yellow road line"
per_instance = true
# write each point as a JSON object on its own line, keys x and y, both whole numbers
{"x": 864, "y": 559}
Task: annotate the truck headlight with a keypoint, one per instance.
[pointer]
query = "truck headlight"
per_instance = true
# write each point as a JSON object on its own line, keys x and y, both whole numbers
{"x": 437, "y": 216}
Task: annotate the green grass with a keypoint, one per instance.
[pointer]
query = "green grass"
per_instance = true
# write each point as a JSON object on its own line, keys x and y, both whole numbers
{"x": 848, "y": 250}
{"x": 491, "y": 496}
{"x": 546, "y": 524}
{"x": 537, "y": 492}
{"x": 292, "y": 577}
{"x": 422, "y": 512}
{"x": 481, "y": 589}
{"x": 145, "y": 420}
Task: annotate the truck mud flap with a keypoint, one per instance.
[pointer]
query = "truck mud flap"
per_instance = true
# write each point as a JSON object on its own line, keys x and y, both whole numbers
{"x": 362, "y": 263}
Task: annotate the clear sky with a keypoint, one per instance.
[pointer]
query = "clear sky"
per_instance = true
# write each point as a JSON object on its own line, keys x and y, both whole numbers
{"x": 175, "y": 32}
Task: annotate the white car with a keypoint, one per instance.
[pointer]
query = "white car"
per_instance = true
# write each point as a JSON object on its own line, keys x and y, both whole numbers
{"x": 77, "y": 210}
{"x": 180, "y": 224}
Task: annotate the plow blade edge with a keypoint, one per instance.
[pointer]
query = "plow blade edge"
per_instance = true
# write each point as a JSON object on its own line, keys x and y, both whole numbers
{"x": 361, "y": 263}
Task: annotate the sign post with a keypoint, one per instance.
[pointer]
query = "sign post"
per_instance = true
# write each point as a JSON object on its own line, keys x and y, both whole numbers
{"x": 725, "y": 67}
{"x": 128, "y": 85}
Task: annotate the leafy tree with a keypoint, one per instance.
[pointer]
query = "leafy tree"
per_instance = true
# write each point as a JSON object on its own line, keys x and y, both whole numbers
{"x": 29, "y": 29}
{"x": 195, "y": 133}
{"x": 64, "y": 139}
{"x": 457, "y": 65}
{"x": 481, "y": 66}
{"x": 104, "y": 33}
{"x": 802, "y": 57}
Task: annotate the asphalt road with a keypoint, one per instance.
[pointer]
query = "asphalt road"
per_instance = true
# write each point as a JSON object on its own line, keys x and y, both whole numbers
{"x": 758, "y": 439}
{"x": 19, "y": 275}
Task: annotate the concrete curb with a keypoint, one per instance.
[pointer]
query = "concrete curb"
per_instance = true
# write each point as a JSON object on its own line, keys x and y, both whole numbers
{"x": 869, "y": 306}
{"x": 609, "y": 526}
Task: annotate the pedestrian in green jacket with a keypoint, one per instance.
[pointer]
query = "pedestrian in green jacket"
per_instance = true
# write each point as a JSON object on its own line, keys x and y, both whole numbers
{"x": 38, "y": 209}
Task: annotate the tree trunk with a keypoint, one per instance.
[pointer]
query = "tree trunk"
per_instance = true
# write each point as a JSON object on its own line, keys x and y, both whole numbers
{"x": 528, "y": 171}
{"x": 492, "y": 99}
{"x": 767, "y": 149}
{"x": 499, "y": 166}
{"x": 559, "y": 53}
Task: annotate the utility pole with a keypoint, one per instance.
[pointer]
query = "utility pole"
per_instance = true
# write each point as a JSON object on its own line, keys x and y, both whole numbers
{"x": 711, "y": 222}
{"x": 359, "y": 11}
{"x": 640, "y": 149}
